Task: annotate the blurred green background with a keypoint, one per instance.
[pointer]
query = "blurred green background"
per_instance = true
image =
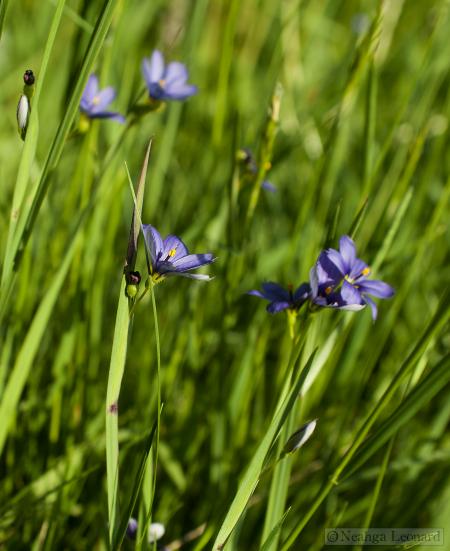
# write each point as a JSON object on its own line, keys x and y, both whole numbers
{"x": 362, "y": 136}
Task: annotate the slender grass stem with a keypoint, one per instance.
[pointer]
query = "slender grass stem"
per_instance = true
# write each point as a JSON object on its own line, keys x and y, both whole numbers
{"x": 158, "y": 366}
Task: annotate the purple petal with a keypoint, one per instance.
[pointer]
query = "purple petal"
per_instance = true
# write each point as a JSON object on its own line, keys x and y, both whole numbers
{"x": 172, "y": 242}
{"x": 335, "y": 258}
{"x": 175, "y": 72}
{"x": 321, "y": 301}
{"x": 314, "y": 281}
{"x": 351, "y": 307}
{"x": 273, "y": 291}
{"x": 106, "y": 115}
{"x": 153, "y": 241}
{"x": 179, "y": 91}
{"x": 104, "y": 98}
{"x": 302, "y": 292}
{"x": 146, "y": 69}
{"x": 192, "y": 261}
{"x": 327, "y": 270}
{"x": 348, "y": 252}
{"x": 132, "y": 528}
{"x": 373, "y": 307}
{"x": 277, "y": 306}
{"x": 117, "y": 117}
{"x": 199, "y": 277}
{"x": 153, "y": 67}
{"x": 91, "y": 89}
{"x": 349, "y": 294}
{"x": 268, "y": 186}
{"x": 256, "y": 293}
{"x": 358, "y": 268}
{"x": 376, "y": 288}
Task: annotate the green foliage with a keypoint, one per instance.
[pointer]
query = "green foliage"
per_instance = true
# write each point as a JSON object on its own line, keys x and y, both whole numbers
{"x": 345, "y": 105}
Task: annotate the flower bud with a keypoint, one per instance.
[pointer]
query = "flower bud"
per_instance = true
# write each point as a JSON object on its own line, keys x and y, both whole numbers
{"x": 156, "y": 531}
{"x": 299, "y": 437}
{"x": 23, "y": 114}
{"x": 132, "y": 528}
{"x": 133, "y": 279}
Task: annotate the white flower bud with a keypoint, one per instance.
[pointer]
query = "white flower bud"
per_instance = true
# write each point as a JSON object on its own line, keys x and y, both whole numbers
{"x": 155, "y": 532}
{"x": 299, "y": 437}
{"x": 23, "y": 113}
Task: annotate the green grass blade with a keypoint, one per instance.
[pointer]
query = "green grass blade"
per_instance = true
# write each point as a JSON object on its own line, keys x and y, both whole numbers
{"x": 116, "y": 369}
{"x": 274, "y": 534}
{"x": 29, "y": 150}
{"x": 224, "y": 72}
{"x": 435, "y": 325}
{"x": 369, "y": 130}
{"x": 27, "y": 219}
{"x": 3, "y": 8}
{"x": 278, "y": 489}
{"x": 30, "y": 346}
{"x": 253, "y": 471}
{"x": 139, "y": 477}
{"x": 117, "y": 362}
{"x": 422, "y": 393}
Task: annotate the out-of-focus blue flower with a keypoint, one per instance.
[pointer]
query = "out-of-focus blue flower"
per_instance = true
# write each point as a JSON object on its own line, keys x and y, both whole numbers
{"x": 246, "y": 156}
{"x": 340, "y": 280}
{"x": 268, "y": 186}
{"x": 156, "y": 530}
{"x": 170, "y": 256}
{"x": 132, "y": 527}
{"x": 166, "y": 82}
{"x": 281, "y": 298}
{"x": 95, "y": 101}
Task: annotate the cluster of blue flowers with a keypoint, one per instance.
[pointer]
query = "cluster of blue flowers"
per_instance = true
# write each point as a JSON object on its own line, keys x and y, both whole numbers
{"x": 169, "y": 256}
{"x": 164, "y": 82}
{"x": 337, "y": 280}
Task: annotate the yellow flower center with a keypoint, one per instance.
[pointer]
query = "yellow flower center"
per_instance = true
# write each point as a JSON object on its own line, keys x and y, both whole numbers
{"x": 162, "y": 83}
{"x": 157, "y": 278}
{"x": 328, "y": 290}
{"x": 95, "y": 100}
{"x": 172, "y": 252}
{"x": 366, "y": 271}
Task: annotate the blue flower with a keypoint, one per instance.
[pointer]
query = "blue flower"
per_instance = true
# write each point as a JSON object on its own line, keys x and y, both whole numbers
{"x": 132, "y": 528}
{"x": 94, "y": 101}
{"x": 166, "y": 82}
{"x": 170, "y": 256}
{"x": 156, "y": 530}
{"x": 281, "y": 298}
{"x": 340, "y": 280}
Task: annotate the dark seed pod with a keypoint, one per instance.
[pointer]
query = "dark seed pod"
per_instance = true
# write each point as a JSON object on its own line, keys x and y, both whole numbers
{"x": 133, "y": 278}
{"x": 28, "y": 77}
